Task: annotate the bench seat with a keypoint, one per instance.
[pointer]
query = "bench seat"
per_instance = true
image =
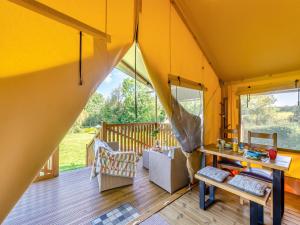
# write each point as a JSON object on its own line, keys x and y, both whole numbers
{"x": 227, "y": 187}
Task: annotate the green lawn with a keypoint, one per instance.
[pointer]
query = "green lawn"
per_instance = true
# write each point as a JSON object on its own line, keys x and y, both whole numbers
{"x": 72, "y": 151}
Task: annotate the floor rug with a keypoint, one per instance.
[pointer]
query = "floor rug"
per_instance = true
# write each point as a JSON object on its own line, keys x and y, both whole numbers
{"x": 120, "y": 216}
{"x": 155, "y": 219}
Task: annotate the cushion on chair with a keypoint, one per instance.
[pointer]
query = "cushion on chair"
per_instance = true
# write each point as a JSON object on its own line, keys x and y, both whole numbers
{"x": 214, "y": 173}
{"x": 258, "y": 173}
{"x": 248, "y": 184}
{"x": 229, "y": 162}
{"x": 123, "y": 165}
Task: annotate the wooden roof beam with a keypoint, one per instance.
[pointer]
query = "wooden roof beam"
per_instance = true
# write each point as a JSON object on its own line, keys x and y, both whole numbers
{"x": 53, "y": 14}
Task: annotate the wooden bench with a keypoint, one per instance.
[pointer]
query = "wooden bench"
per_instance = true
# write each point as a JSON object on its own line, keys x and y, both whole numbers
{"x": 257, "y": 203}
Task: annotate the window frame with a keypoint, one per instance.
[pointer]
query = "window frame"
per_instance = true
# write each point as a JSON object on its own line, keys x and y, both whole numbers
{"x": 185, "y": 83}
{"x": 287, "y": 150}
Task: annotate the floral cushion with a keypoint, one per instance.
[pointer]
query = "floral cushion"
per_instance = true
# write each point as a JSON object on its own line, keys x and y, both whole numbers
{"x": 118, "y": 163}
{"x": 250, "y": 185}
{"x": 110, "y": 162}
{"x": 214, "y": 173}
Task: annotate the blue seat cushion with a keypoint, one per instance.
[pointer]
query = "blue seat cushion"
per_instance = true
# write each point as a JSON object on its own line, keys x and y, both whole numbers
{"x": 258, "y": 173}
{"x": 248, "y": 184}
{"x": 214, "y": 173}
{"x": 230, "y": 162}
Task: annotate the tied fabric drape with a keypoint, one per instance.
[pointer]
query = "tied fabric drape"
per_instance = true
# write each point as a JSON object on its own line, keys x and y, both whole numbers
{"x": 186, "y": 127}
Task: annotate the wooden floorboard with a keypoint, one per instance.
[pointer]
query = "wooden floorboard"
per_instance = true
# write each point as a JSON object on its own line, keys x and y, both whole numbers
{"x": 227, "y": 210}
{"x": 72, "y": 198}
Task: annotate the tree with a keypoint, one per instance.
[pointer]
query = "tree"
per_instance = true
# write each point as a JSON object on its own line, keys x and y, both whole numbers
{"x": 296, "y": 114}
{"x": 93, "y": 109}
{"x": 260, "y": 109}
{"x": 120, "y": 107}
{"x": 113, "y": 109}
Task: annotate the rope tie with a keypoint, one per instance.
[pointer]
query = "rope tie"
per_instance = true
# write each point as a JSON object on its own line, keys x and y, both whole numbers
{"x": 248, "y": 97}
{"x": 296, "y": 86}
{"x": 80, "y": 59}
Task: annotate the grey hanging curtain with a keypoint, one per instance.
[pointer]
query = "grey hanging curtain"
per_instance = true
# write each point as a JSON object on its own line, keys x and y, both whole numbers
{"x": 186, "y": 127}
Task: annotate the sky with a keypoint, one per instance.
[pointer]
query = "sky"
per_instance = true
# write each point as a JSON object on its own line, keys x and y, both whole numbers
{"x": 286, "y": 99}
{"x": 111, "y": 82}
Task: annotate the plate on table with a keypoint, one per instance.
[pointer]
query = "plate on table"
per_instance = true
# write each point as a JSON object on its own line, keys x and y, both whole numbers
{"x": 251, "y": 154}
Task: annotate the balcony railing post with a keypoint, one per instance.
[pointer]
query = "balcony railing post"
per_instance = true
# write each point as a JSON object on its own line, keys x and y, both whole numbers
{"x": 104, "y": 131}
{"x": 55, "y": 163}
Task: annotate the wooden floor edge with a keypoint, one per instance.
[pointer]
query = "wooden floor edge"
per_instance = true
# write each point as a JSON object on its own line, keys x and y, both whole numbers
{"x": 158, "y": 207}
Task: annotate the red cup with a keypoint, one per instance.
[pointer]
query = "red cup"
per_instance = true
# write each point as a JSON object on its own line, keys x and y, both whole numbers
{"x": 272, "y": 153}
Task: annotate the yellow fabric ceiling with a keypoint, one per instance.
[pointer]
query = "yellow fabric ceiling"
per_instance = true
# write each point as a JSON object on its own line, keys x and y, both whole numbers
{"x": 246, "y": 38}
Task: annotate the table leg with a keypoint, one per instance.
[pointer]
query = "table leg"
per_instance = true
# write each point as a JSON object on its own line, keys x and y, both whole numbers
{"x": 215, "y": 159}
{"x": 202, "y": 189}
{"x": 203, "y": 161}
{"x": 278, "y": 196}
{"x": 282, "y": 194}
{"x": 212, "y": 193}
{"x": 256, "y": 213}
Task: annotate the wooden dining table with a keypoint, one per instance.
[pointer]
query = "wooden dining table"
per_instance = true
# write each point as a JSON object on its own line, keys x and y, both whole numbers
{"x": 280, "y": 165}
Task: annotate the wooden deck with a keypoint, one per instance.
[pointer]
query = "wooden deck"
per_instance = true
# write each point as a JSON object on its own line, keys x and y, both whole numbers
{"x": 227, "y": 211}
{"x": 72, "y": 198}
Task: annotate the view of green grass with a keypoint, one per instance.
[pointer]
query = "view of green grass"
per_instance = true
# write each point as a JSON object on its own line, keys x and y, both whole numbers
{"x": 118, "y": 107}
{"x": 262, "y": 114}
{"x": 72, "y": 152}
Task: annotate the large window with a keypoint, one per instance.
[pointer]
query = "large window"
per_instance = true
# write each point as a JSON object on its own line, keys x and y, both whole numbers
{"x": 272, "y": 113}
{"x": 190, "y": 99}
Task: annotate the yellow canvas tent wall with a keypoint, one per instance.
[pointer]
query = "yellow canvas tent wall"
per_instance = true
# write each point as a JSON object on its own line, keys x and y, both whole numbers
{"x": 248, "y": 43}
{"x": 176, "y": 52}
{"x": 40, "y": 95}
{"x": 202, "y": 41}
{"x": 268, "y": 83}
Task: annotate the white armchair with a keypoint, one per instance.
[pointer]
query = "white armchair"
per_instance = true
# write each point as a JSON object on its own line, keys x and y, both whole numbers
{"x": 109, "y": 175}
{"x": 169, "y": 173}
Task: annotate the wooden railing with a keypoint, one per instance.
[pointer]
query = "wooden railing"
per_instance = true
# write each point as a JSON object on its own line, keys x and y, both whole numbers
{"x": 51, "y": 167}
{"x": 132, "y": 137}
{"x": 166, "y": 136}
